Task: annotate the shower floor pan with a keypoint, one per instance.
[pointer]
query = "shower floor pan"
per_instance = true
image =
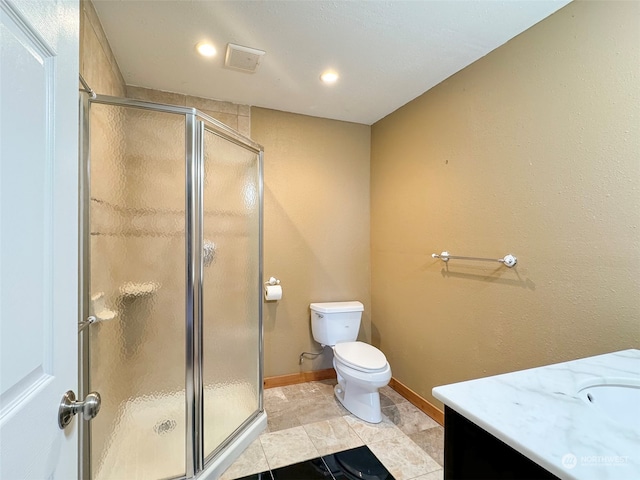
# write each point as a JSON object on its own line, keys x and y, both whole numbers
{"x": 149, "y": 437}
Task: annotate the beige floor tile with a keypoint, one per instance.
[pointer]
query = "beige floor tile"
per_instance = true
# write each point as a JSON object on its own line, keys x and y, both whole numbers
{"x": 373, "y": 432}
{"x": 403, "y": 458}
{"x": 388, "y": 396}
{"x": 409, "y": 418}
{"x": 437, "y": 475}
{"x": 432, "y": 442}
{"x": 275, "y": 401}
{"x": 306, "y": 421}
{"x": 287, "y": 447}
{"x": 307, "y": 390}
{"x": 274, "y": 392}
{"x": 317, "y": 409}
{"x": 343, "y": 410}
{"x": 332, "y": 382}
{"x": 251, "y": 461}
{"x": 332, "y": 436}
{"x": 281, "y": 421}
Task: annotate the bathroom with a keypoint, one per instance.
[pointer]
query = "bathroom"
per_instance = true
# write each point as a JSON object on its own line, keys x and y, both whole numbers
{"x": 531, "y": 150}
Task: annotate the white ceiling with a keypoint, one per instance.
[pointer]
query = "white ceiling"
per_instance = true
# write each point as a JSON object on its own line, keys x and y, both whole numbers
{"x": 386, "y": 52}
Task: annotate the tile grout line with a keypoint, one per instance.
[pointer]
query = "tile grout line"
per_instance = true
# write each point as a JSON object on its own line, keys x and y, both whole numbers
{"x": 265, "y": 456}
{"x": 269, "y": 463}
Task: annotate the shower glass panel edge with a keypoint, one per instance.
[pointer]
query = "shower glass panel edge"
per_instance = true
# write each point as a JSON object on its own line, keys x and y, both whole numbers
{"x": 195, "y": 464}
{"x": 192, "y": 388}
{"x": 84, "y": 437}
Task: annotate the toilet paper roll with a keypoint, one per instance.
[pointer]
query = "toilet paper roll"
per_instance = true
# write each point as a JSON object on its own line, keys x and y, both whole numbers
{"x": 272, "y": 292}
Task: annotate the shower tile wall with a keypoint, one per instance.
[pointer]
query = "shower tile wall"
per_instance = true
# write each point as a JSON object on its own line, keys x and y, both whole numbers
{"x": 97, "y": 63}
{"x": 233, "y": 115}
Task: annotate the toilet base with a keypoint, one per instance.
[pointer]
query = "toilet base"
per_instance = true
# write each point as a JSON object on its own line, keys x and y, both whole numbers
{"x": 363, "y": 403}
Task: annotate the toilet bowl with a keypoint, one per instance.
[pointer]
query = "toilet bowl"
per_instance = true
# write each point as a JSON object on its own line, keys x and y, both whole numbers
{"x": 361, "y": 368}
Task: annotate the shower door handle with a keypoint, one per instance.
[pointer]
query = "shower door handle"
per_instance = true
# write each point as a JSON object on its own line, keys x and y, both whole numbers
{"x": 69, "y": 407}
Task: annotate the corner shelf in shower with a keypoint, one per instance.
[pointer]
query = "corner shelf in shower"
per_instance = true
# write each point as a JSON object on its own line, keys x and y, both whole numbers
{"x": 99, "y": 310}
{"x": 138, "y": 289}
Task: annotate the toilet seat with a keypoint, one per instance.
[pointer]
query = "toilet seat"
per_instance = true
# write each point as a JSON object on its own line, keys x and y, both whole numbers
{"x": 360, "y": 356}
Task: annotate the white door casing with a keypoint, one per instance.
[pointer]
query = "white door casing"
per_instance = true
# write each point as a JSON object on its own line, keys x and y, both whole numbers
{"x": 38, "y": 235}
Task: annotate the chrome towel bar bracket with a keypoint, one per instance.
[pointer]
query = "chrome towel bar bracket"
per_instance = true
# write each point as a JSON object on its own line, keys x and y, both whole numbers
{"x": 508, "y": 260}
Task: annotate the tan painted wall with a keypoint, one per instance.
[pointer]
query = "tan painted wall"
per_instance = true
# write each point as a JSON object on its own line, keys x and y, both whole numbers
{"x": 533, "y": 150}
{"x": 530, "y": 150}
{"x": 316, "y": 229}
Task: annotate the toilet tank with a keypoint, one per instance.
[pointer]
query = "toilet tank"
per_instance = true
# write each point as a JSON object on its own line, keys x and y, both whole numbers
{"x": 335, "y": 322}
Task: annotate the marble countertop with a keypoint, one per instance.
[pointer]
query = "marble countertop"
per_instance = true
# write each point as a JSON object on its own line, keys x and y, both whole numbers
{"x": 538, "y": 412}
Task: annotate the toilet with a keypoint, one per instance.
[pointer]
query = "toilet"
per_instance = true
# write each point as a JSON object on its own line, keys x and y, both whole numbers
{"x": 361, "y": 368}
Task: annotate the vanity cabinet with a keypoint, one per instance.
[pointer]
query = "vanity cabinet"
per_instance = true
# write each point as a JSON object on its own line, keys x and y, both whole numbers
{"x": 470, "y": 452}
{"x": 539, "y": 423}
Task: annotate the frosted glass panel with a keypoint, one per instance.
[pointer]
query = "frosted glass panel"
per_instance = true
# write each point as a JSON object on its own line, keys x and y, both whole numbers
{"x": 137, "y": 254}
{"x": 231, "y": 295}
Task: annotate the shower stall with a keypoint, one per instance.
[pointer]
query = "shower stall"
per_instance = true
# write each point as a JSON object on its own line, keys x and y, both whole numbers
{"x": 171, "y": 330}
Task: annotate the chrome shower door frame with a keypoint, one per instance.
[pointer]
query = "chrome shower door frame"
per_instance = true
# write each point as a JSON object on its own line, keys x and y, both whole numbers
{"x": 196, "y": 123}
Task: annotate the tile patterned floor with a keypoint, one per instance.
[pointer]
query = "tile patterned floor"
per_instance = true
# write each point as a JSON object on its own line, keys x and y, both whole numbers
{"x": 305, "y": 421}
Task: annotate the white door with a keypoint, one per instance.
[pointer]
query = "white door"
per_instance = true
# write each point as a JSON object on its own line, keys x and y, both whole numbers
{"x": 38, "y": 236}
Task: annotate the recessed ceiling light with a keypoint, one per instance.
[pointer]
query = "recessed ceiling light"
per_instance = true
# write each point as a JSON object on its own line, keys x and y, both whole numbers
{"x": 329, "y": 77}
{"x": 206, "y": 49}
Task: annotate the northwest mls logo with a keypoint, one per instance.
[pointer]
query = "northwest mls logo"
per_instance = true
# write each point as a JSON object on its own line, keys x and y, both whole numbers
{"x": 569, "y": 461}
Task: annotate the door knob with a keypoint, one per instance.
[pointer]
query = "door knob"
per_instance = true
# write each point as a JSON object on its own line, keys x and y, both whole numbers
{"x": 69, "y": 407}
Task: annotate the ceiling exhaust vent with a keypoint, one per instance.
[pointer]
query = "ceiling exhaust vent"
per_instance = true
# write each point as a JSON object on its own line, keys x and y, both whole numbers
{"x": 242, "y": 58}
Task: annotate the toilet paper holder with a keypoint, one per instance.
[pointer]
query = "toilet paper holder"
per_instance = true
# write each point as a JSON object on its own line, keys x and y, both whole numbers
{"x": 272, "y": 290}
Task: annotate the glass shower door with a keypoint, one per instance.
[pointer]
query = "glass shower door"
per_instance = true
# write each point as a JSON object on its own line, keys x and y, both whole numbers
{"x": 231, "y": 294}
{"x": 172, "y": 272}
{"x": 137, "y": 292}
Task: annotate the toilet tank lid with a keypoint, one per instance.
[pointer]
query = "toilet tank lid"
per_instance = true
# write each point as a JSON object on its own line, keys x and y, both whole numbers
{"x": 335, "y": 307}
